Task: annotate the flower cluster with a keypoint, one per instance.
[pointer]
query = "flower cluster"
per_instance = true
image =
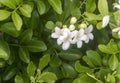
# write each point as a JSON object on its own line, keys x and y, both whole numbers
{"x": 66, "y": 36}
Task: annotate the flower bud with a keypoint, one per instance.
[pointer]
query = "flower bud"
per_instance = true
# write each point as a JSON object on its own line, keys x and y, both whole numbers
{"x": 73, "y": 20}
{"x": 82, "y": 25}
{"x": 72, "y": 27}
{"x": 64, "y": 26}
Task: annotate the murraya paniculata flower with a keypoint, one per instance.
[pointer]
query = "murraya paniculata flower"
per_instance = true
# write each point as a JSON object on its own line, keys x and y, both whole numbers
{"x": 66, "y": 37}
{"x": 73, "y": 20}
{"x": 105, "y": 20}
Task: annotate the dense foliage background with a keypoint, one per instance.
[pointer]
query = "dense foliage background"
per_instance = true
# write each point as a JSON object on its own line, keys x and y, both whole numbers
{"x": 28, "y": 54}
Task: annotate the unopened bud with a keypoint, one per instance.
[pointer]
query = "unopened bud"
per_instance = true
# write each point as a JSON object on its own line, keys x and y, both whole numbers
{"x": 72, "y": 27}
{"x": 64, "y": 26}
{"x": 73, "y": 20}
{"x": 83, "y": 25}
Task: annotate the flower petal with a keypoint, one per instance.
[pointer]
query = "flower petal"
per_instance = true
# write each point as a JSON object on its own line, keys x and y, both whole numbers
{"x": 57, "y": 30}
{"x": 84, "y": 37}
{"x": 65, "y": 45}
{"x": 54, "y": 35}
{"x": 79, "y": 44}
{"x": 90, "y": 28}
{"x": 59, "y": 42}
{"x": 105, "y": 20}
{"x": 90, "y": 35}
{"x": 87, "y": 40}
{"x": 118, "y": 32}
{"x": 117, "y": 6}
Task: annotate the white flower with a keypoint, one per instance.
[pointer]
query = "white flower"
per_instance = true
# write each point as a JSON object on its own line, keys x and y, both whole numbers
{"x": 105, "y": 20}
{"x": 79, "y": 37}
{"x": 63, "y": 37}
{"x": 88, "y": 33}
{"x": 73, "y": 20}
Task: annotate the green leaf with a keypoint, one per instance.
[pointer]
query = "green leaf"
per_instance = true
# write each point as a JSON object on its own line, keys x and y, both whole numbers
{"x": 10, "y": 29}
{"x": 56, "y": 5}
{"x": 4, "y": 14}
{"x": 26, "y": 9}
{"x": 18, "y": 79}
{"x": 50, "y": 25}
{"x": 99, "y": 25}
{"x": 36, "y": 46}
{"x": 44, "y": 61}
{"x": 8, "y": 3}
{"x": 92, "y": 16}
{"x": 18, "y": 1}
{"x": 103, "y": 7}
{"x": 17, "y": 20}
{"x": 84, "y": 79}
{"x": 68, "y": 70}
{"x": 113, "y": 62}
{"x": 26, "y": 36}
{"x": 70, "y": 55}
{"x": 79, "y": 68}
{"x": 88, "y": 61}
{"x": 110, "y": 48}
{"x": 94, "y": 57}
{"x": 41, "y": 7}
{"x": 9, "y": 73}
{"x": 48, "y": 77}
{"x": 4, "y": 50}
{"x": 31, "y": 69}
{"x": 90, "y": 5}
{"x": 76, "y": 12}
{"x": 24, "y": 55}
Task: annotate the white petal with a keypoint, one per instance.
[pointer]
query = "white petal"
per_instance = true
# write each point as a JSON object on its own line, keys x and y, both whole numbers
{"x": 54, "y": 35}
{"x": 87, "y": 40}
{"x": 90, "y": 35}
{"x": 116, "y": 29}
{"x": 84, "y": 37}
{"x": 79, "y": 44}
{"x": 81, "y": 31}
{"x": 118, "y": 32}
{"x": 117, "y": 6}
{"x": 105, "y": 20}
{"x": 65, "y": 45}
{"x": 57, "y": 30}
{"x": 90, "y": 28}
{"x": 73, "y": 41}
{"x": 59, "y": 41}
{"x": 74, "y": 33}
{"x": 119, "y": 1}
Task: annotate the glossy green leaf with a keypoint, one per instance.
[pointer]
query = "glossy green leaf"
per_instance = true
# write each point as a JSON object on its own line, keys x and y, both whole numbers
{"x": 41, "y": 7}
{"x": 26, "y": 10}
{"x": 4, "y": 50}
{"x": 94, "y": 57}
{"x": 90, "y": 5}
{"x": 88, "y": 61}
{"x": 26, "y": 36}
{"x": 92, "y": 16}
{"x": 9, "y": 73}
{"x": 18, "y": 79}
{"x": 84, "y": 79}
{"x": 104, "y": 49}
{"x": 56, "y": 5}
{"x": 10, "y": 29}
{"x": 113, "y": 62}
{"x": 103, "y": 7}
{"x": 17, "y": 20}
{"x": 80, "y": 68}
{"x": 50, "y": 25}
{"x": 36, "y": 46}
{"x": 18, "y": 1}
{"x": 76, "y": 12}
{"x": 4, "y": 14}
{"x": 68, "y": 70}
{"x": 48, "y": 77}
{"x": 44, "y": 61}
{"x": 8, "y": 3}
{"x": 31, "y": 69}
{"x": 70, "y": 55}
{"x": 24, "y": 55}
